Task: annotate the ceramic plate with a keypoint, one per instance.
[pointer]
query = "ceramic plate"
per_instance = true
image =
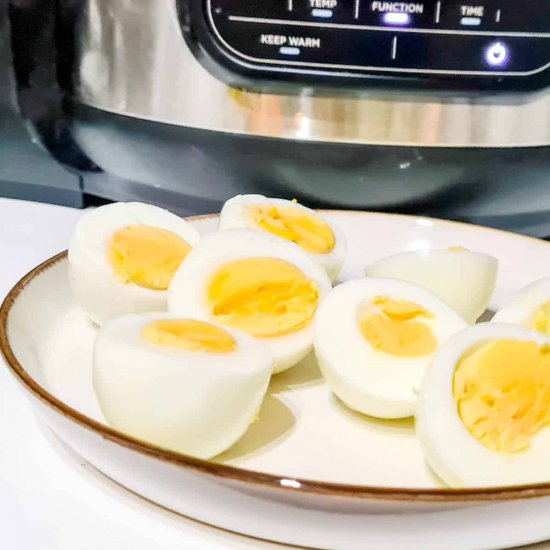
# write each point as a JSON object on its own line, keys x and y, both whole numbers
{"x": 310, "y": 472}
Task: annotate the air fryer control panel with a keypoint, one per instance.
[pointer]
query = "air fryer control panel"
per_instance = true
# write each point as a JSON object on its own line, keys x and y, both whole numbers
{"x": 484, "y": 44}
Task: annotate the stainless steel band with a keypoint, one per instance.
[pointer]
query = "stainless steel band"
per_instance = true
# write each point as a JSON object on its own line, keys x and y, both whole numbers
{"x": 134, "y": 61}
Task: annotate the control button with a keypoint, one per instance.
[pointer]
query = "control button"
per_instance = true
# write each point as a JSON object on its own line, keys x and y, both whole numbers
{"x": 289, "y": 50}
{"x": 323, "y": 9}
{"x": 396, "y": 14}
{"x": 471, "y": 15}
{"x": 396, "y": 18}
{"x": 397, "y": 7}
{"x": 294, "y": 41}
{"x": 470, "y": 21}
{"x": 296, "y": 44}
{"x": 464, "y": 15}
{"x": 494, "y": 15}
{"x": 497, "y": 54}
{"x": 335, "y": 11}
{"x": 324, "y": 14}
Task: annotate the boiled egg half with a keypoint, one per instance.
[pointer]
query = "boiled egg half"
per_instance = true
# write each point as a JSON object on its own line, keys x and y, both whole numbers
{"x": 530, "y": 308}
{"x": 374, "y": 338}
{"x": 462, "y": 278}
{"x": 323, "y": 241}
{"x": 484, "y": 407}
{"x": 122, "y": 257}
{"x": 179, "y": 383}
{"x": 256, "y": 282}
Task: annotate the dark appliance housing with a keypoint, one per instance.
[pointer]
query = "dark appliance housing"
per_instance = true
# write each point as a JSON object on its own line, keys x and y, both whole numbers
{"x": 27, "y": 169}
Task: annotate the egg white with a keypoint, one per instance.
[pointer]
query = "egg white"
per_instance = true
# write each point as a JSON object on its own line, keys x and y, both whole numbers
{"x": 365, "y": 379}
{"x": 94, "y": 283}
{"x": 463, "y": 279}
{"x": 449, "y": 448}
{"x": 196, "y": 403}
{"x": 188, "y": 289}
{"x": 521, "y": 309}
{"x": 234, "y": 216}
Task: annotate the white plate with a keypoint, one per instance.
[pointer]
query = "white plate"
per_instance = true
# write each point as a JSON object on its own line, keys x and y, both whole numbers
{"x": 310, "y": 471}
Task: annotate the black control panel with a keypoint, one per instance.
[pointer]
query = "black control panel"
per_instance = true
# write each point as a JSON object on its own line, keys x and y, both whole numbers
{"x": 486, "y": 44}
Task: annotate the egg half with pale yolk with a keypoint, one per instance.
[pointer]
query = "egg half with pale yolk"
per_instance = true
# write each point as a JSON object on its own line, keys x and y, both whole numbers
{"x": 122, "y": 258}
{"x": 179, "y": 383}
{"x": 323, "y": 241}
{"x": 256, "y": 282}
{"x": 484, "y": 407}
{"x": 530, "y": 308}
{"x": 374, "y": 338}
{"x": 464, "y": 279}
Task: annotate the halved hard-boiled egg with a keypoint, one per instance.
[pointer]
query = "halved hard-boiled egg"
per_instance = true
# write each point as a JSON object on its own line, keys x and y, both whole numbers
{"x": 122, "y": 258}
{"x": 256, "y": 282}
{"x": 374, "y": 338}
{"x": 182, "y": 384}
{"x": 530, "y": 308}
{"x": 464, "y": 279}
{"x": 484, "y": 407}
{"x": 290, "y": 220}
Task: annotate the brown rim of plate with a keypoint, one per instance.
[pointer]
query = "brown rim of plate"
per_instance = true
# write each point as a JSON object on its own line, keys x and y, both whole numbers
{"x": 234, "y": 473}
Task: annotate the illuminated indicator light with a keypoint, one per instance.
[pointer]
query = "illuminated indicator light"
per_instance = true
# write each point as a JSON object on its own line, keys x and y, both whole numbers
{"x": 322, "y": 13}
{"x": 496, "y": 54}
{"x": 470, "y": 21}
{"x": 286, "y": 50}
{"x": 396, "y": 18}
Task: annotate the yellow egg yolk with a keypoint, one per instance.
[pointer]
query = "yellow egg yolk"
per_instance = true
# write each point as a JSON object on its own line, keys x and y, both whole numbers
{"x": 389, "y": 326}
{"x": 294, "y": 224}
{"x": 146, "y": 256}
{"x": 458, "y": 249}
{"x": 188, "y": 334}
{"x": 265, "y": 297}
{"x": 540, "y": 319}
{"x": 400, "y": 310}
{"x": 502, "y": 392}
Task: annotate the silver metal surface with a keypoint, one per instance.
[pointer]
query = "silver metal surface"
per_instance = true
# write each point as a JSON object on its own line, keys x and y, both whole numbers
{"x": 134, "y": 61}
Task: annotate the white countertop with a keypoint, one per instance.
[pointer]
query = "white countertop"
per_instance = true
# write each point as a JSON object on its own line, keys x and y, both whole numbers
{"x": 49, "y": 498}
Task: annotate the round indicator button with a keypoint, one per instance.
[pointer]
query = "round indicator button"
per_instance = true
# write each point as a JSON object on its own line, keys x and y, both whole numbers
{"x": 497, "y": 54}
